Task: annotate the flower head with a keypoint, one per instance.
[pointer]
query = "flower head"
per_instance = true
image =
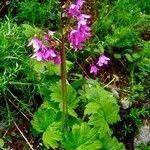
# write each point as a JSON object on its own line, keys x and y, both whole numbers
{"x": 103, "y": 60}
{"x": 79, "y": 3}
{"x": 75, "y": 9}
{"x": 94, "y": 69}
{"x": 81, "y": 33}
{"x": 36, "y": 43}
{"x": 42, "y": 52}
{"x": 78, "y": 37}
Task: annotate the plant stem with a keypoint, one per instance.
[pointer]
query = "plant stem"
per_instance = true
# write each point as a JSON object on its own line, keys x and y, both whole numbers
{"x": 63, "y": 78}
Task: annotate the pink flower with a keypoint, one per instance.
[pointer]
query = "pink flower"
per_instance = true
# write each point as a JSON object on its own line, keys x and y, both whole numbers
{"x": 79, "y": 3}
{"x": 78, "y": 36}
{"x": 75, "y": 9}
{"x": 51, "y": 33}
{"x": 83, "y": 19}
{"x": 94, "y": 69}
{"x": 103, "y": 60}
{"x": 57, "y": 60}
{"x": 42, "y": 52}
{"x": 36, "y": 43}
{"x": 48, "y": 36}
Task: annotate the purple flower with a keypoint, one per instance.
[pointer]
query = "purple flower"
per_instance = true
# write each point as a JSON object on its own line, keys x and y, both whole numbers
{"x": 45, "y": 55}
{"x": 51, "y": 33}
{"x": 83, "y": 19}
{"x": 36, "y": 43}
{"x": 48, "y": 36}
{"x": 76, "y": 38}
{"x": 57, "y": 60}
{"x": 37, "y": 55}
{"x": 75, "y": 9}
{"x": 103, "y": 60}
{"x": 42, "y": 52}
{"x": 94, "y": 69}
{"x": 81, "y": 33}
{"x": 79, "y": 3}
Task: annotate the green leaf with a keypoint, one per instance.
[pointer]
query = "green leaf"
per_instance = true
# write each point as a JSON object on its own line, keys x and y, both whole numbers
{"x": 99, "y": 122}
{"x": 117, "y": 56}
{"x": 102, "y": 108}
{"x": 3, "y": 41}
{"x": 50, "y": 105}
{"x": 112, "y": 144}
{"x": 94, "y": 92}
{"x": 129, "y": 57}
{"x": 53, "y": 69}
{"x": 77, "y": 83}
{"x": 96, "y": 145}
{"x": 1, "y": 143}
{"x": 81, "y": 138}
{"x": 52, "y": 136}
{"x": 29, "y": 31}
{"x": 100, "y": 101}
{"x": 39, "y": 67}
{"x": 43, "y": 118}
{"x": 56, "y": 96}
{"x": 91, "y": 108}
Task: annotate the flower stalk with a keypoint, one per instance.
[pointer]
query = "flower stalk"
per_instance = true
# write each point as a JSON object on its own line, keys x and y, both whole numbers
{"x": 63, "y": 78}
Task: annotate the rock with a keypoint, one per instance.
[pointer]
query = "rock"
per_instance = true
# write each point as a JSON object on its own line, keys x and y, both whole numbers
{"x": 125, "y": 102}
{"x": 143, "y": 135}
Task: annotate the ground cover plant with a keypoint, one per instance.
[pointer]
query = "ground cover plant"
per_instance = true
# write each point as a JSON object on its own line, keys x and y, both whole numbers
{"x": 74, "y": 75}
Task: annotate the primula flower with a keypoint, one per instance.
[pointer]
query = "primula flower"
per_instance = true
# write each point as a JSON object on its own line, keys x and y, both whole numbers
{"x": 42, "y": 52}
{"x": 36, "y": 43}
{"x": 103, "y": 60}
{"x": 94, "y": 69}
{"x": 79, "y": 3}
{"x": 78, "y": 37}
{"x": 75, "y": 9}
{"x": 57, "y": 60}
{"x": 48, "y": 36}
{"x": 83, "y": 19}
{"x": 80, "y": 34}
{"x": 51, "y": 33}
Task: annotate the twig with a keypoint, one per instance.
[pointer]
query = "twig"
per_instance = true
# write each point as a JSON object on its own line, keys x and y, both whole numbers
{"x": 114, "y": 78}
{"x": 18, "y": 109}
{"x": 23, "y": 136}
{"x": 17, "y": 99}
{"x": 5, "y": 132}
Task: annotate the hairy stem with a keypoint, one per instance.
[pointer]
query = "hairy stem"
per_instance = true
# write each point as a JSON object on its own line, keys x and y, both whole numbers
{"x": 63, "y": 78}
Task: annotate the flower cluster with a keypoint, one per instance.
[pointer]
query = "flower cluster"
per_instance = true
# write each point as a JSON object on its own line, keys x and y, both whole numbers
{"x": 81, "y": 33}
{"x": 43, "y": 52}
{"x": 103, "y": 60}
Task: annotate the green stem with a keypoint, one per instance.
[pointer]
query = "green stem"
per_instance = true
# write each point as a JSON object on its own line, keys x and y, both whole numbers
{"x": 63, "y": 78}
{"x": 8, "y": 110}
